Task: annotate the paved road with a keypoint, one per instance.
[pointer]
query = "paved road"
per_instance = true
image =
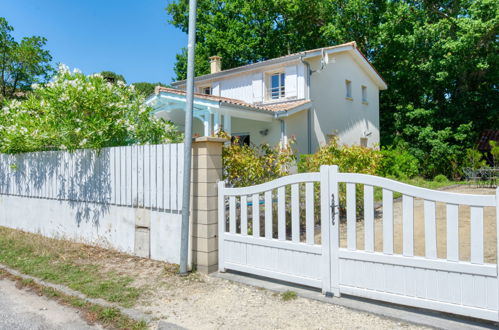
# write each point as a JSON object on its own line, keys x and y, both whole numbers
{"x": 21, "y": 309}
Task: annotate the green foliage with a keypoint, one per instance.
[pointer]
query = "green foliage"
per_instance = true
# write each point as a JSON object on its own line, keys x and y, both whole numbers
{"x": 77, "y": 111}
{"x": 288, "y": 295}
{"x": 474, "y": 159}
{"x": 302, "y": 163}
{"x": 21, "y": 63}
{"x": 146, "y": 88}
{"x": 440, "y": 178}
{"x": 398, "y": 163}
{"x": 249, "y": 165}
{"x": 439, "y": 59}
{"x": 494, "y": 151}
{"x": 112, "y": 77}
{"x": 352, "y": 159}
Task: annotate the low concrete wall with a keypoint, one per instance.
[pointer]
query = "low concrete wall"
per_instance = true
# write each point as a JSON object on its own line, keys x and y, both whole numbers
{"x": 138, "y": 231}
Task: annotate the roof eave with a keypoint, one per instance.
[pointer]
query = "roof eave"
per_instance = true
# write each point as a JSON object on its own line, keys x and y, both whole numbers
{"x": 289, "y": 112}
{"x": 304, "y": 55}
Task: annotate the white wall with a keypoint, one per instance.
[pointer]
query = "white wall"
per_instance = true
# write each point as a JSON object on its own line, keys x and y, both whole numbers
{"x": 239, "y": 87}
{"x": 114, "y": 227}
{"x": 250, "y": 86}
{"x": 333, "y": 113}
{"x": 296, "y": 126}
{"x": 253, "y": 127}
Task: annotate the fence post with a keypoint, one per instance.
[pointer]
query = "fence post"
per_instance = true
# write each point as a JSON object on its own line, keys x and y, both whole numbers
{"x": 325, "y": 229}
{"x": 206, "y": 173}
{"x": 221, "y": 225}
{"x": 335, "y": 229}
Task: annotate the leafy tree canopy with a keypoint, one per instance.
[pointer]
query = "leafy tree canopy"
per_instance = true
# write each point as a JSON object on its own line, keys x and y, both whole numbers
{"x": 147, "y": 88}
{"x": 112, "y": 77}
{"x": 439, "y": 58}
{"x": 21, "y": 63}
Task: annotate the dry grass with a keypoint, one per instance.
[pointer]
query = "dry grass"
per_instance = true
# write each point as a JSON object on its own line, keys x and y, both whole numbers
{"x": 96, "y": 272}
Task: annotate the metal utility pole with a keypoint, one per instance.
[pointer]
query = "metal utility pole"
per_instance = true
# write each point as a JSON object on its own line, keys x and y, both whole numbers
{"x": 184, "y": 243}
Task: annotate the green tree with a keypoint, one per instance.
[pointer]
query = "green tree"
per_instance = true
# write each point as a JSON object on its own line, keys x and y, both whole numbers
{"x": 21, "y": 63}
{"x": 112, "y": 77}
{"x": 147, "y": 88}
{"x": 439, "y": 58}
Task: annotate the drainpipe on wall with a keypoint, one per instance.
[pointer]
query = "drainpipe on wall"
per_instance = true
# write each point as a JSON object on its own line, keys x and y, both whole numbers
{"x": 307, "y": 96}
{"x": 309, "y": 111}
{"x": 284, "y": 138}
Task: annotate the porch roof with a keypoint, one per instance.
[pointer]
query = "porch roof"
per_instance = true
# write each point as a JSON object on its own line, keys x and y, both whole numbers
{"x": 277, "y": 108}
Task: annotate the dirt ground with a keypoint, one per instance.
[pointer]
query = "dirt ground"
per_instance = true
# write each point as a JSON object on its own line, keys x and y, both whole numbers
{"x": 419, "y": 233}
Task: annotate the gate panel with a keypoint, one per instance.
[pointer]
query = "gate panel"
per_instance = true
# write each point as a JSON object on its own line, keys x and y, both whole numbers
{"x": 278, "y": 241}
{"x": 444, "y": 284}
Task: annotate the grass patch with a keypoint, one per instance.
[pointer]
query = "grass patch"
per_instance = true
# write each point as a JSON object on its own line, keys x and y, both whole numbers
{"x": 59, "y": 262}
{"x": 288, "y": 295}
{"x": 108, "y": 317}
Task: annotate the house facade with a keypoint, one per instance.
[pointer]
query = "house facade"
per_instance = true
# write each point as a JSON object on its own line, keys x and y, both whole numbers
{"x": 310, "y": 96}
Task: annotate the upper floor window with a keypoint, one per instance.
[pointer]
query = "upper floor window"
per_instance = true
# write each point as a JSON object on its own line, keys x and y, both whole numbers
{"x": 277, "y": 88}
{"x": 348, "y": 86}
{"x": 364, "y": 94}
{"x": 205, "y": 90}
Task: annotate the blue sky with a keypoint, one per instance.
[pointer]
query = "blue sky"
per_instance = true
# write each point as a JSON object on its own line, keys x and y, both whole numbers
{"x": 130, "y": 37}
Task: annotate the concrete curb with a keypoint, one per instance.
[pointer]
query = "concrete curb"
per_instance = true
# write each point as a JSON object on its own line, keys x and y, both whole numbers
{"x": 131, "y": 313}
{"x": 415, "y": 316}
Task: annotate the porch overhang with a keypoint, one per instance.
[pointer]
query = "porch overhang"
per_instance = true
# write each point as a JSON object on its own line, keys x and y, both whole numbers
{"x": 216, "y": 112}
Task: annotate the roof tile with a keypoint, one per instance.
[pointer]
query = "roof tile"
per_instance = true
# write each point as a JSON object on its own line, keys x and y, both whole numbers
{"x": 273, "y": 107}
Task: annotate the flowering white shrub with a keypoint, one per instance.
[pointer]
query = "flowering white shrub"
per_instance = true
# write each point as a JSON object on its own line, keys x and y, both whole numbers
{"x": 76, "y": 111}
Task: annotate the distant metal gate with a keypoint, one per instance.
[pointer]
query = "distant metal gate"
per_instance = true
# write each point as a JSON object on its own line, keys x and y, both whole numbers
{"x": 302, "y": 245}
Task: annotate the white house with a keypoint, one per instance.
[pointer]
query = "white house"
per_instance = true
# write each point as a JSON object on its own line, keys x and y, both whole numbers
{"x": 311, "y": 96}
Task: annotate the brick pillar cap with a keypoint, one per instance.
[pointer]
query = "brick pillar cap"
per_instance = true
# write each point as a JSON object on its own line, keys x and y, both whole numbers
{"x": 209, "y": 139}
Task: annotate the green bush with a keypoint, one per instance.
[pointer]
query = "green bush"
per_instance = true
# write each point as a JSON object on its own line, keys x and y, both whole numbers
{"x": 248, "y": 165}
{"x": 398, "y": 163}
{"x": 76, "y": 111}
{"x": 494, "y": 151}
{"x": 474, "y": 159}
{"x": 440, "y": 178}
{"x": 353, "y": 159}
{"x": 302, "y": 163}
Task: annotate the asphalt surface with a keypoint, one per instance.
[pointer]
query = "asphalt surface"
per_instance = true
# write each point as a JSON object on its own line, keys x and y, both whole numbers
{"x": 22, "y": 309}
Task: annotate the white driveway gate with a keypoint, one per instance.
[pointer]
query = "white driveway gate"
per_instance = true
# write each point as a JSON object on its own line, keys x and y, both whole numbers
{"x": 308, "y": 252}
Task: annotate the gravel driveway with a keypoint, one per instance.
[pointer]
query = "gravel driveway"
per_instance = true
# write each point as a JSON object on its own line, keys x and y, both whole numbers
{"x": 214, "y": 303}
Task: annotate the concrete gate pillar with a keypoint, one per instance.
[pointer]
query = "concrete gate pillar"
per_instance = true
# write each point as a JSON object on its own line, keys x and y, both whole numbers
{"x": 206, "y": 172}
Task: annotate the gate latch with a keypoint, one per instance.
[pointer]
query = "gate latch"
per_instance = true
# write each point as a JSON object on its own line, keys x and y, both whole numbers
{"x": 333, "y": 208}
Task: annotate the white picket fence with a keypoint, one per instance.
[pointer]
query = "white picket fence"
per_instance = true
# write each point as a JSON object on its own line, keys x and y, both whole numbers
{"x": 147, "y": 176}
{"x": 289, "y": 248}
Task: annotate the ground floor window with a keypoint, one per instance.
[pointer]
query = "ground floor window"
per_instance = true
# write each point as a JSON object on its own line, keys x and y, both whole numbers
{"x": 242, "y": 138}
